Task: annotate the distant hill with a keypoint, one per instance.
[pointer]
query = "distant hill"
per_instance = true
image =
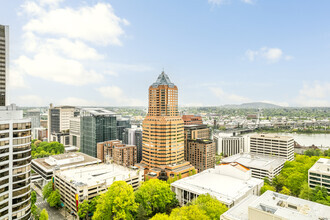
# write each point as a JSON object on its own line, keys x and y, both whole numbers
{"x": 254, "y": 105}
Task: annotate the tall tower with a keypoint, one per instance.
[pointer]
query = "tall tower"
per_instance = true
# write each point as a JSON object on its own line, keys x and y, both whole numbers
{"x": 163, "y": 132}
{"x": 4, "y": 63}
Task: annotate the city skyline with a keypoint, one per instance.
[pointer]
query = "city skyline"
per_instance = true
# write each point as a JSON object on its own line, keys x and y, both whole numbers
{"x": 218, "y": 52}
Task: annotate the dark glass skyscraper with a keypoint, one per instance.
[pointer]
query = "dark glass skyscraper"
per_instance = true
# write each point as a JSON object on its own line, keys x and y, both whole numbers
{"x": 4, "y": 61}
{"x": 97, "y": 125}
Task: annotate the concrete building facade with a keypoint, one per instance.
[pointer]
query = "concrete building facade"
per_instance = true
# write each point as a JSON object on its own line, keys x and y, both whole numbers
{"x": 229, "y": 145}
{"x": 193, "y": 132}
{"x": 261, "y": 166}
{"x": 229, "y": 183}
{"x": 4, "y": 63}
{"x": 116, "y": 152}
{"x": 201, "y": 154}
{"x": 319, "y": 174}
{"x": 133, "y": 136}
{"x": 192, "y": 120}
{"x": 269, "y": 144}
{"x": 75, "y": 132}
{"x": 15, "y": 164}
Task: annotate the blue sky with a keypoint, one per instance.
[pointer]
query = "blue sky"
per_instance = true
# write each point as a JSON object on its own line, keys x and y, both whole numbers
{"x": 216, "y": 51}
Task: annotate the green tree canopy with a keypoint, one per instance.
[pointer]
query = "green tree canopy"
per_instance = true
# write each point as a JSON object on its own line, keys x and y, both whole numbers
{"x": 285, "y": 191}
{"x": 155, "y": 196}
{"x": 117, "y": 203}
{"x": 33, "y": 197}
{"x": 191, "y": 212}
{"x": 43, "y": 215}
{"x": 83, "y": 209}
{"x": 54, "y": 198}
{"x": 47, "y": 190}
{"x": 212, "y": 207}
{"x": 266, "y": 187}
{"x": 160, "y": 216}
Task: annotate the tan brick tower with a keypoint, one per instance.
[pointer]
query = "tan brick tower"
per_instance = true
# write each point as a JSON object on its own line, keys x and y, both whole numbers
{"x": 163, "y": 131}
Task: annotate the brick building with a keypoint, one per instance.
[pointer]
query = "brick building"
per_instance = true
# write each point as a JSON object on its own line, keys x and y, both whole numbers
{"x": 192, "y": 132}
{"x": 201, "y": 153}
{"x": 117, "y": 152}
{"x": 192, "y": 120}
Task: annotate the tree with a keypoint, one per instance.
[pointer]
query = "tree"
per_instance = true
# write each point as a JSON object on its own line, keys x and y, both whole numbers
{"x": 160, "y": 216}
{"x": 155, "y": 196}
{"x": 43, "y": 215}
{"x": 193, "y": 172}
{"x": 47, "y": 190}
{"x": 285, "y": 191}
{"x": 306, "y": 192}
{"x": 33, "y": 197}
{"x": 180, "y": 176}
{"x": 117, "y": 203}
{"x": 83, "y": 209}
{"x": 191, "y": 212}
{"x": 35, "y": 211}
{"x": 54, "y": 198}
{"x": 266, "y": 187}
{"x": 266, "y": 180}
{"x": 141, "y": 213}
{"x": 212, "y": 207}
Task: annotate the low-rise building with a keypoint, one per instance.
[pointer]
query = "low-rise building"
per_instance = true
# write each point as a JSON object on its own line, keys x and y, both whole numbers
{"x": 261, "y": 166}
{"x": 228, "y": 145}
{"x": 84, "y": 183}
{"x": 229, "y": 183}
{"x": 117, "y": 152}
{"x": 45, "y": 167}
{"x": 275, "y": 206}
{"x": 192, "y": 120}
{"x": 319, "y": 174}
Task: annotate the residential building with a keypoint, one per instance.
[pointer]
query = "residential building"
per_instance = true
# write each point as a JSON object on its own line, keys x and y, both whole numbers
{"x": 15, "y": 164}
{"x": 272, "y": 205}
{"x": 41, "y": 134}
{"x": 228, "y": 145}
{"x": 261, "y": 166}
{"x": 192, "y": 120}
{"x": 75, "y": 132}
{"x": 44, "y": 167}
{"x": 133, "y": 136}
{"x": 201, "y": 153}
{"x": 229, "y": 183}
{"x": 270, "y": 144}
{"x": 4, "y": 63}
{"x": 122, "y": 124}
{"x": 319, "y": 174}
{"x": 117, "y": 152}
{"x": 193, "y": 132}
{"x": 163, "y": 133}
{"x": 84, "y": 183}
{"x": 59, "y": 119}
{"x": 97, "y": 125}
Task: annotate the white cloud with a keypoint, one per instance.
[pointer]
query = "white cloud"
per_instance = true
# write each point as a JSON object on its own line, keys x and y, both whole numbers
{"x": 218, "y": 2}
{"x": 270, "y": 54}
{"x": 29, "y": 100}
{"x": 95, "y": 24}
{"x": 16, "y": 80}
{"x": 314, "y": 95}
{"x": 77, "y": 102}
{"x": 248, "y": 1}
{"x": 117, "y": 95}
{"x": 228, "y": 98}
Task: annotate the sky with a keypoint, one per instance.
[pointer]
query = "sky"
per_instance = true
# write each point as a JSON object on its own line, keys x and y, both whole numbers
{"x": 108, "y": 52}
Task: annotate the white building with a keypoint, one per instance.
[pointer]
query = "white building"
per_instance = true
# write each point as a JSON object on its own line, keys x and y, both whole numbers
{"x": 229, "y": 183}
{"x": 270, "y": 144}
{"x": 84, "y": 183}
{"x": 261, "y": 166}
{"x": 228, "y": 145}
{"x": 44, "y": 167}
{"x": 275, "y": 206}
{"x": 75, "y": 132}
{"x": 15, "y": 164}
{"x": 319, "y": 174}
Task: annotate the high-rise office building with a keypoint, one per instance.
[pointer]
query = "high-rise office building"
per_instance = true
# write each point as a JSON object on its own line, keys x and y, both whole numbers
{"x": 75, "y": 132}
{"x": 4, "y": 63}
{"x": 59, "y": 120}
{"x": 201, "y": 154}
{"x": 193, "y": 132}
{"x": 227, "y": 144}
{"x": 34, "y": 115}
{"x": 15, "y": 164}
{"x": 96, "y": 125}
{"x": 163, "y": 134}
{"x": 122, "y": 124}
{"x": 275, "y": 145}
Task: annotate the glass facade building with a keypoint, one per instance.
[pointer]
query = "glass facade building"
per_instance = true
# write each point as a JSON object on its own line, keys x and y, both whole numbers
{"x": 4, "y": 61}
{"x": 97, "y": 125}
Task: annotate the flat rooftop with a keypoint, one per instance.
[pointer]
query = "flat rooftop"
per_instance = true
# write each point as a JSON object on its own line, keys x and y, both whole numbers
{"x": 98, "y": 111}
{"x": 195, "y": 126}
{"x": 97, "y": 174}
{"x": 255, "y": 161}
{"x": 272, "y": 137}
{"x": 321, "y": 166}
{"x": 226, "y": 189}
{"x": 82, "y": 160}
{"x": 299, "y": 209}
{"x": 240, "y": 210}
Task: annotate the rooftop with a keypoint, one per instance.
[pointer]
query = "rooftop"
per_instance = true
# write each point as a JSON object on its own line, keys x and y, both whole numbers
{"x": 163, "y": 79}
{"x": 195, "y": 126}
{"x": 63, "y": 161}
{"x": 97, "y": 174}
{"x": 97, "y": 111}
{"x": 290, "y": 207}
{"x": 240, "y": 210}
{"x": 255, "y": 161}
{"x": 225, "y": 184}
{"x": 321, "y": 166}
{"x": 272, "y": 137}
